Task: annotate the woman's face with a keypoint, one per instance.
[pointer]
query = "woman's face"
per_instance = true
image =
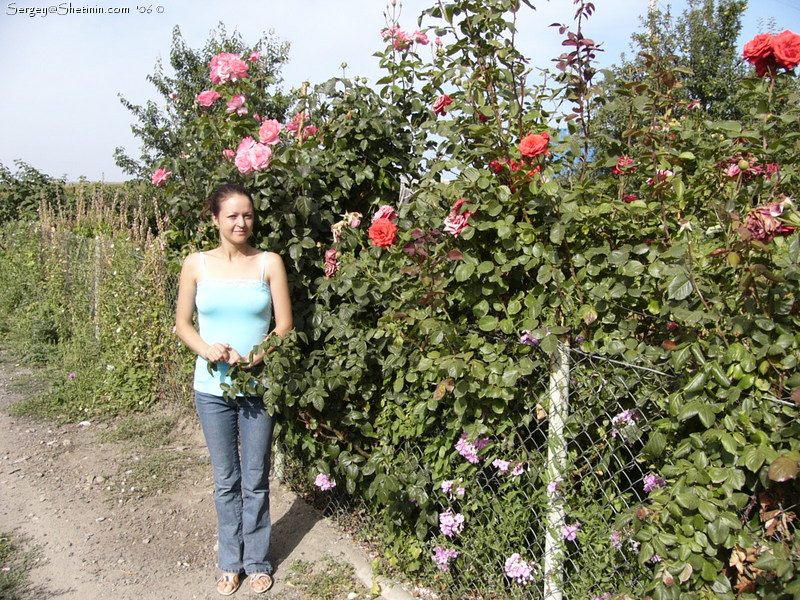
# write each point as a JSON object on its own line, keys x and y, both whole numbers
{"x": 235, "y": 219}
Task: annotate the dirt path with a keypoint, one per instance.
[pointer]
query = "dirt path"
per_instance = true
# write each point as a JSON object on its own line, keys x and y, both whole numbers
{"x": 54, "y": 492}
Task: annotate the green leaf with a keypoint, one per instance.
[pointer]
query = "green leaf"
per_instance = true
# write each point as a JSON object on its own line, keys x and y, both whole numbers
{"x": 680, "y": 287}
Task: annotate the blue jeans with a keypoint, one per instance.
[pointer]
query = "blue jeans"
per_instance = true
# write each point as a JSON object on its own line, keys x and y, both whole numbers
{"x": 241, "y": 485}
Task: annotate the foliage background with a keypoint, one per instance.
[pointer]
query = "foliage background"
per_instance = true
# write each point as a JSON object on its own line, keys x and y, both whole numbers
{"x": 407, "y": 348}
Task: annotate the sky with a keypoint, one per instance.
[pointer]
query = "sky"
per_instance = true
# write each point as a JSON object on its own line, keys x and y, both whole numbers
{"x": 66, "y": 65}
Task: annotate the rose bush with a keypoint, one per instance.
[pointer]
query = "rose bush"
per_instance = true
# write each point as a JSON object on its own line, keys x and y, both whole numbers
{"x": 422, "y": 340}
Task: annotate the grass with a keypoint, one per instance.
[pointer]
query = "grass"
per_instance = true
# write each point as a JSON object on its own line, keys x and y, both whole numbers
{"x": 15, "y": 565}
{"x": 327, "y": 580}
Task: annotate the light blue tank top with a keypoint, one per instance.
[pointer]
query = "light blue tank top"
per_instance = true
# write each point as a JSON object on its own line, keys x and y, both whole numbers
{"x": 231, "y": 311}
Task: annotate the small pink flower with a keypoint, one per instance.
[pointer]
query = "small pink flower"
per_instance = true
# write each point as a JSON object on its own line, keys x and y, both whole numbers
{"x": 270, "y": 132}
{"x": 254, "y": 56}
{"x": 570, "y": 532}
{"x": 518, "y": 569}
{"x": 518, "y": 469}
{"x": 297, "y": 121}
{"x": 624, "y": 165}
{"x": 553, "y": 486}
{"x": 331, "y": 262}
{"x": 228, "y": 154}
{"x": 385, "y": 212}
{"x": 457, "y": 220}
{"x": 653, "y": 482}
{"x": 447, "y": 486}
{"x": 421, "y": 37}
{"x": 71, "y": 376}
{"x": 501, "y": 465}
{"x": 661, "y": 175}
{"x": 443, "y": 556}
{"x": 324, "y": 483}
{"x": 236, "y": 105}
{"x": 441, "y": 103}
{"x": 309, "y": 130}
{"x": 451, "y": 524}
{"x": 160, "y": 176}
{"x": 630, "y": 198}
{"x": 207, "y": 98}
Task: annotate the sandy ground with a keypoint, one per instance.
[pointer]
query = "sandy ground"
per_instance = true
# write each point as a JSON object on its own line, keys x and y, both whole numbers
{"x": 60, "y": 490}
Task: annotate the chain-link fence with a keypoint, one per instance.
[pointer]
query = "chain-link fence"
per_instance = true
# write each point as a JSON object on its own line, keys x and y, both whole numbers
{"x": 553, "y": 521}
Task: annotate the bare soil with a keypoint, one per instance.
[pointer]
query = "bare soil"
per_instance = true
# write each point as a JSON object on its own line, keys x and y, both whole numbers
{"x": 61, "y": 490}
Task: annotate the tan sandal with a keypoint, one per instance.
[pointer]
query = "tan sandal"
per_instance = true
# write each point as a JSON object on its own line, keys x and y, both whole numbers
{"x": 260, "y": 582}
{"x": 228, "y": 583}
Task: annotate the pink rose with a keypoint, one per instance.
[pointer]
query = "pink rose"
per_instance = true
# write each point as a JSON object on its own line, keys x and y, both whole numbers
{"x": 385, "y": 212}
{"x": 254, "y": 56}
{"x": 207, "y": 98}
{"x": 227, "y": 67}
{"x": 309, "y": 130}
{"x": 421, "y": 38}
{"x": 331, "y": 262}
{"x": 441, "y": 103}
{"x": 160, "y": 176}
{"x": 456, "y": 221}
{"x": 297, "y": 121}
{"x": 252, "y": 156}
{"x": 228, "y": 154}
{"x": 236, "y": 105}
{"x": 269, "y": 132}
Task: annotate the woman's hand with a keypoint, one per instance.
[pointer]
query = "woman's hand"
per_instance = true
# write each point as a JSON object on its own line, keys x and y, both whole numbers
{"x": 219, "y": 352}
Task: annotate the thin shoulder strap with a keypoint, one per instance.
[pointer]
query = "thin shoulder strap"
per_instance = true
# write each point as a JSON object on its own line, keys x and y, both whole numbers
{"x": 263, "y": 264}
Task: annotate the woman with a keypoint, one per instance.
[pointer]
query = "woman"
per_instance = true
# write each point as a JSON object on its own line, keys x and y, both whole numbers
{"x": 235, "y": 288}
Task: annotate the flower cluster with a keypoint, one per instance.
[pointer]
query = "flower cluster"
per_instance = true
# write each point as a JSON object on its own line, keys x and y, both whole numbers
{"x": 624, "y": 423}
{"x": 402, "y": 40}
{"x": 518, "y": 569}
{"x": 451, "y": 523}
{"x": 449, "y": 487}
{"x": 746, "y": 167}
{"x": 300, "y": 124}
{"x": 458, "y": 219}
{"x": 469, "y": 450}
{"x": 624, "y": 166}
{"x": 570, "y": 532}
{"x": 324, "y": 483}
{"x": 504, "y": 465}
{"x": 443, "y": 556}
{"x": 653, "y": 482}
{"x": 252, "y": 156}
{"x": 768, "y": 52}
{"x": 661, "y": 176}
{"x": 763, "y": 222}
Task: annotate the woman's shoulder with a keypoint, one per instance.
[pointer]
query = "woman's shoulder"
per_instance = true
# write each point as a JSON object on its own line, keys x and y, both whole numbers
{"x": 192, "y": 261}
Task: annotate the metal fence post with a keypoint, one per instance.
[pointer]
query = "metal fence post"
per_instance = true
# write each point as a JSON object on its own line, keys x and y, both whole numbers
{"x": 556, "y": 470}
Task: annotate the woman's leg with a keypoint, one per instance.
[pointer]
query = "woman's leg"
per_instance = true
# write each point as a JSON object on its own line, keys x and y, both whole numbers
{"x": 219, "y": 419}
{"x": 255, "y": 430}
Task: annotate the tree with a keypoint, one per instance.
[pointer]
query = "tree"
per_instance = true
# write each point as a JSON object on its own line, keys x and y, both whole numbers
{"x": 164, "y": 131}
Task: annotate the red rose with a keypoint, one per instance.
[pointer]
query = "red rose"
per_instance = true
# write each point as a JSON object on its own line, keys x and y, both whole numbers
{"x": 535, "y": 144}
{"x": 786, "y": 48}
{"x": 759, "y": 48}
{"x": 441, "y": 103}
{"x": 383, "y": 233}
